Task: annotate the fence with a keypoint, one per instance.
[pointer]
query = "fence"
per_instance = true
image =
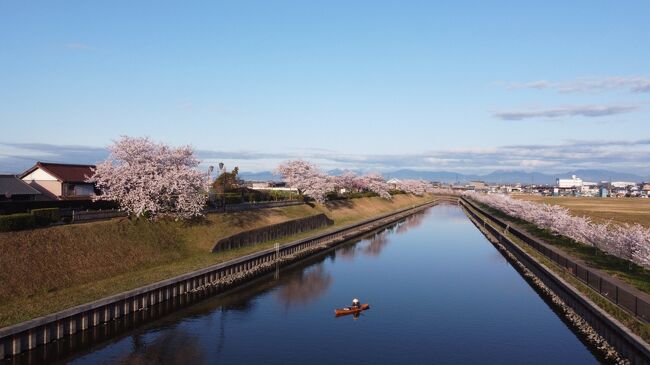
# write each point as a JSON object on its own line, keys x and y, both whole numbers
{"x": 260, "y": 205}
{"x": 632, "y": 300}
{"x": 78, "y": 216}
{"x": 27, "y": 206}
{"x": 274, "y": 231}
{"x": 28, "y": 335}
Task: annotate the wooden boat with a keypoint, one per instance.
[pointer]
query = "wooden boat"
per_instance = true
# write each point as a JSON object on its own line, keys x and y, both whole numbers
{"x": 350, "y": 310}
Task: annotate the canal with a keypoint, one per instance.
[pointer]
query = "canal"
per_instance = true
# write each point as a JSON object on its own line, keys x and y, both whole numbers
{"x": 439, "y": 293}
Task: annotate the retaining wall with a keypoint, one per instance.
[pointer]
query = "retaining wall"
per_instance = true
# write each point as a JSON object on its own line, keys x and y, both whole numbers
{"x": 31, "y": 334}
{"x": 274, "y": 231}
{"x": 615, "y": 333}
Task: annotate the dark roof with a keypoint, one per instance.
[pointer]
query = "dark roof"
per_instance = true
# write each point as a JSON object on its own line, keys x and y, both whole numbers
{"x": 12, "y": 185}
{"x": 64, "y": 172}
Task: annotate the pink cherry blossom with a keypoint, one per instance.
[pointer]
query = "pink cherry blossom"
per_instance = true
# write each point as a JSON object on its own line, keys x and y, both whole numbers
{"x": 630, "y": 242}
{"x": 307, "y": 178}
{"x": 152, "y": 179}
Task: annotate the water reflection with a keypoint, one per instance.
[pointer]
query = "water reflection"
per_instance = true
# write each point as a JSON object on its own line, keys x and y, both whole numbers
{"x": 464, "y": 306}
{"x": 412, "y": 221}
{"x": 377, "y": 243}
{"x": 170, "y": 347}
{"x": 305, "y": 286}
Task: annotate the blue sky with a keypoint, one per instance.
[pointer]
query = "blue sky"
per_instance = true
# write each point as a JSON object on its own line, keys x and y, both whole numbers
{"x": 468, "y": 86}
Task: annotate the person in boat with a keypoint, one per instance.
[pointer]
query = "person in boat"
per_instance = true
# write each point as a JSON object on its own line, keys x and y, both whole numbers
{"x": 356, "y": 304}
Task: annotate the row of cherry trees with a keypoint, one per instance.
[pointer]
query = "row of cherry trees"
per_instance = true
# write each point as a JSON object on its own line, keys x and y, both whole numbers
{"x": 627, "y": 241}
{"x": 311, "y": 181}
{"x": 156, "y": 180}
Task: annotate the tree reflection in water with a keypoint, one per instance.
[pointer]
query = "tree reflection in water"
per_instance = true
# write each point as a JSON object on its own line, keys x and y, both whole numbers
{"x": 379, "y": 240}
{"x": 412, "y": 221}
{"x": 305, "y": 287}
{"x": 377, "y": 243}
{"x": 171, "y": 347}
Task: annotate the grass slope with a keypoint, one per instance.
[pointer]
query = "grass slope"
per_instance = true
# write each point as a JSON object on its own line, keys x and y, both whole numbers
{"x": 50, "y": 269}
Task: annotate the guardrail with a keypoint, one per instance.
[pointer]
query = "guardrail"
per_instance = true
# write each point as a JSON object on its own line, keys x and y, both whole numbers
{"x": 28, "y": 335}
{"x": 628, "y": 298}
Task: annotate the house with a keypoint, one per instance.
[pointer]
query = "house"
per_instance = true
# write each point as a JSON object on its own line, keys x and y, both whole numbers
{"x": 61, "y": 181}
{"x": 645, "y": 188}
{"x": 14, "y": 189}
{"x": 478, "y": 185}
{"x": 393, "y": 183}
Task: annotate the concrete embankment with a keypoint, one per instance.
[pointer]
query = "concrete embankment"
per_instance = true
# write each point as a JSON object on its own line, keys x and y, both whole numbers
{"x": 612, "y": 339}
{"x": 87, "y": 318}
{"x": 272, "y": 232}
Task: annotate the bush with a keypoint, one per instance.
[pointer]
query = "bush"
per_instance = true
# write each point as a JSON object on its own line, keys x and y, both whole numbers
{"x": 46, "y": 216}
{"x": 16, "y": 222}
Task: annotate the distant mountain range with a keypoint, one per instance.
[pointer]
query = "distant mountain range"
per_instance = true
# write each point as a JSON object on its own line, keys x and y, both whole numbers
{"x": 493, "y": 177}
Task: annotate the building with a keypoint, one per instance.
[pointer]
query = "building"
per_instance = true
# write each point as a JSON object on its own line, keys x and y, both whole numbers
{"x": 645, "y": 189}
{"x": 622, "y": 184}
{"x": 269, "y": 185}
{"x": 61, "y": 181}
{"x": 478, "y": 185}
{"x": 589, "y": 189}
{"x": 13, "y": 189}
{"x": 573, "y": 183}
{"x": 393, "y": 183}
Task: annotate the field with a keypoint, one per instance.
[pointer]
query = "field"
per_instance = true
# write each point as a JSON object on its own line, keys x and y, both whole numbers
{"x": 616, "y": 210}
{"x": 50, "y": 269}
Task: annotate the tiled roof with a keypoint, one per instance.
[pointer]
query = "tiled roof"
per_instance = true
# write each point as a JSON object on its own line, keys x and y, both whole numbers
{"x": 12, "y": 185}
{"x": 65, "y": 172}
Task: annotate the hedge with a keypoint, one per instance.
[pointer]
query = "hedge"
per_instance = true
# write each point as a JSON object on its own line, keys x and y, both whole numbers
{"x": 46, "y": 216}
{"x": 16, "y": 222}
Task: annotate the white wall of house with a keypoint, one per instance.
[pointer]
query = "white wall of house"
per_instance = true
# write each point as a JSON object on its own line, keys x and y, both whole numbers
{"x": 39, "y": 174}
{"x": 45, "y": 180}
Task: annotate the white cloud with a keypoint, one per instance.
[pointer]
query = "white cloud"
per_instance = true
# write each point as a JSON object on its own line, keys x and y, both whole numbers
{"x": 589, "y": 111}
{"x": 630, "y": 156}
{"x": 636, "y": 84}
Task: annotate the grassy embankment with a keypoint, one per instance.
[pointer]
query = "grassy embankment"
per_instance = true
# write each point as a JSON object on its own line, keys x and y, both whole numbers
{"x": 50, "y": 269}
{"x": 601, "y": 210}
{"x": 633, "y": 274}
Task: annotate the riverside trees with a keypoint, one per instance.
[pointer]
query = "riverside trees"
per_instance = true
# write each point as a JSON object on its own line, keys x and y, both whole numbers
{"x": 311, "y": 181}
{"x": 307, "y": 178}
{"x": 631, "y": 242}
{"x": 152, "y": 179}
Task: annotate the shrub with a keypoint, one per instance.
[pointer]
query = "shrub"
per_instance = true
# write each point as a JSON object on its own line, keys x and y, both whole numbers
{"x": 16, "y": 222}
{"x": 46, "y": 216}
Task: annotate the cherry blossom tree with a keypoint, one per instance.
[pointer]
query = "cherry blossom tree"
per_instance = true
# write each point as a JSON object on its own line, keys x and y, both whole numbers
{"x": 307, "y": 178}
{"x": 416, "y": 187}
{"x": 347, "y": 180}
{"x": 630, "y": 242}
{"x": 152, "y": 179}
{"x": 375, "y": 183}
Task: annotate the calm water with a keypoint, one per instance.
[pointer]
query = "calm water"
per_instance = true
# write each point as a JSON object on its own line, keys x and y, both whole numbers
{"x": 439, "y": 293}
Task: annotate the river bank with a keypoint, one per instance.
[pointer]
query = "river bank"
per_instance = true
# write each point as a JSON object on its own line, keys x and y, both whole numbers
{"x": 51, "y": 269}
